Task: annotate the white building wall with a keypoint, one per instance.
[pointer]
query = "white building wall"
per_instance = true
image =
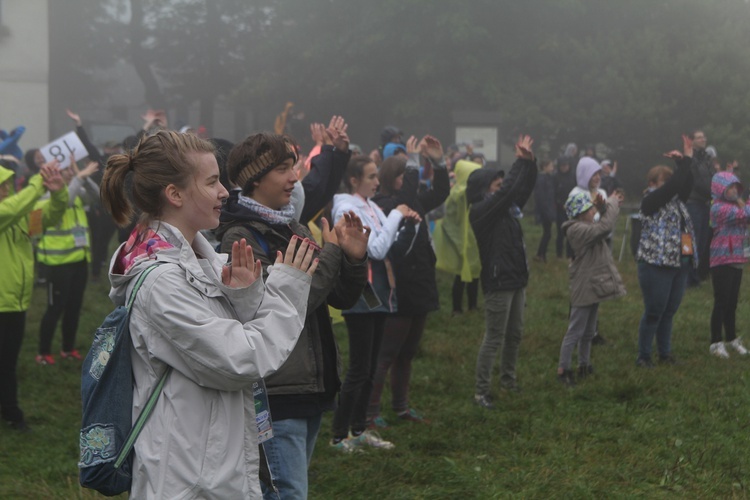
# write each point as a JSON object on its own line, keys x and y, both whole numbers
{"x": 24, "y": 69}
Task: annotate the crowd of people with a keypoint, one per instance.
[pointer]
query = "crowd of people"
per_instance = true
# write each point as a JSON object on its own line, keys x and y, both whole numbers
{"x": 262, "y": 243}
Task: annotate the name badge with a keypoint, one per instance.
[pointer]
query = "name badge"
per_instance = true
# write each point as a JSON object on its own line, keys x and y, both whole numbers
{"x": 262, "y": 411}
{"x": 79, "y": 236}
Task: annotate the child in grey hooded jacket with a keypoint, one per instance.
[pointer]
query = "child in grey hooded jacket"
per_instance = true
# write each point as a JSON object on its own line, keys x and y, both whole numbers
{"x": 593, "y": 276}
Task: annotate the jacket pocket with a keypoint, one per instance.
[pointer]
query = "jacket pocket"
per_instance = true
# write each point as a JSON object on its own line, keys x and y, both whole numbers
{"x": 604, "y": 285}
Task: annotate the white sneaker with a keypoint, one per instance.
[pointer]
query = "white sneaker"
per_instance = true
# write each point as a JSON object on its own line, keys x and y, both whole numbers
{"x": 345, "y": 446}
{"x": 737, "y": 345}
{"x": 371, "y": 438}
{"x": 718, "y": 349}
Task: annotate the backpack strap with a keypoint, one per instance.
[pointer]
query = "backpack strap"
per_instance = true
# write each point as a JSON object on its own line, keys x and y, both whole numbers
{"x": 140, "y": 422}
{"x": 138, "y": 282}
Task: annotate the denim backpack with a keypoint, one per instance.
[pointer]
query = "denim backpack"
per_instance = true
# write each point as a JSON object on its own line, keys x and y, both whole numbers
{"x": 107, "y": 430}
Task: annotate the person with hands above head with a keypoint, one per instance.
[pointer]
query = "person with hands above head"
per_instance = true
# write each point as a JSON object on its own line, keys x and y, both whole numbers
{"x": 262, "y": 167}
{"x": 729, "y": 218}
{"x": 666, "y": 253}
{"x": 413, "y": 260}
{"x": 63, "y": 253}
{"x": 505, "y": 273}
{"x": 100, "y": 223}
{"x": 593, "y": 277}
{"x": 19, "y": 223}
{"x": 455, "y": 245}
{"x": 698, "y": 205}
{"x": 326, "y": 169}
{"x": 221, "y": 328}
{"x": 365, "y": 321}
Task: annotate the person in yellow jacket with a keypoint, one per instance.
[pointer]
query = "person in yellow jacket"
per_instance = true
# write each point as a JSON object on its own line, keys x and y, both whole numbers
{"x": 64, "y": 254}
{"x": 18, "y": 223}
{"x": 455, "y": 246}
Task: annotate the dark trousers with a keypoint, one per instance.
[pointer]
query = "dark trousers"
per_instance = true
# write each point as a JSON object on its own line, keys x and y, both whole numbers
{"x": 365, "y": 336}
{"x": 12, "y": 326}
{"x": 700, "y": 214}
{"x": 400, "y": 343}
{"x": 65, "y": 287}
{"x": 472, "y": 292}
{"x": 102, "y": 228}
{"x": 544, "y": 242}
{"x": 726, "y": 281}
{"x": 560, "y": 241}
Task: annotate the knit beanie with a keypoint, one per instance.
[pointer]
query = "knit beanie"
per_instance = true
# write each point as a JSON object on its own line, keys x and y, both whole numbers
{"x": 263, "y": 164}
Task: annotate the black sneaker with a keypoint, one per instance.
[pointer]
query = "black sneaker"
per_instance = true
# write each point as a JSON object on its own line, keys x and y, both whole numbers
{"x": 644, "y": 363}
{"x": 598, "y": 340}
{"x": 483, "y": 401}
{"x": 585, "y": 370}
{"x": 567, "y": 378}
{"x": 20, "y": 426}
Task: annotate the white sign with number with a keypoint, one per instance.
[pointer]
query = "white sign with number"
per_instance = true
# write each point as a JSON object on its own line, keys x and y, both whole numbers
{"x": 61, "y": 148}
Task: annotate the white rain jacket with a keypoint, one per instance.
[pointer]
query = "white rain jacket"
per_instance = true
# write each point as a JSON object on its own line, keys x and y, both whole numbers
{"x": 201, "y": 440}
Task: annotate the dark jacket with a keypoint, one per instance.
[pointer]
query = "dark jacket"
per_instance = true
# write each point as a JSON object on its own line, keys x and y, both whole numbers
{"x": 564, "y": 184}
{"x": 703, "y": 172}
{"x": 412, "y": 254}
{"x": 609, "y": 184}
{"x": 498, "y": 232}
{"x": 544, "y": 198}
{"x": 323, "y": 181}
{"x": 308, "y": 381}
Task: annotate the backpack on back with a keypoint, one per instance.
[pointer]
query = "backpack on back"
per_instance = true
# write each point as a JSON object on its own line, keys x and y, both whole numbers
{"x": 107, "y": 431}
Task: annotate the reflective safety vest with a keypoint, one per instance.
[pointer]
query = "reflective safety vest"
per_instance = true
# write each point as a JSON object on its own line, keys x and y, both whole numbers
{"x": 68, "y": 242}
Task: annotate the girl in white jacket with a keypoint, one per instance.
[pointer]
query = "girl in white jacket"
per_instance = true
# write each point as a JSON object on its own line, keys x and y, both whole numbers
{"x": 366, "y": 320}
{"x": 218, "y": 327}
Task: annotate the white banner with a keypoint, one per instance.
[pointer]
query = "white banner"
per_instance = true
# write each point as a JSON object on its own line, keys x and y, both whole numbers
{"x": 61, "y": 148}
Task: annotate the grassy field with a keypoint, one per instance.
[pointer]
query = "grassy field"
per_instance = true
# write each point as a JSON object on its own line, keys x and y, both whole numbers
{"x": 671, "y": 432}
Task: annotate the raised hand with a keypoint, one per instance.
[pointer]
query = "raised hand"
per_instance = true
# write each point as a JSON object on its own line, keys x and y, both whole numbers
{"x": 687, "y": 146}
{"x": 674, "y": 154}
{"x": 91, "y": 167}
{"x": 52, "y": 180}
{"x": 317, "y": 133}
{"x": 411, "y": 145}
{"x": 336, "y": 132}
{"x": 619, "y": 195}
{"x": 599, "y": 202}
{"x": 523, "y": 147}
{"x": 329, "y": 235}
{"x": 352, "y": 236}
{"x": 301, "y": 258}
{"x": 432, "y": 148}
{"x": 75, "y": 117}
{"x": 242, "y": 271}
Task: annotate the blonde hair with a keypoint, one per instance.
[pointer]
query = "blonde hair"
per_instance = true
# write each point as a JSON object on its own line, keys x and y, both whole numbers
{"x": 156, "y": 162}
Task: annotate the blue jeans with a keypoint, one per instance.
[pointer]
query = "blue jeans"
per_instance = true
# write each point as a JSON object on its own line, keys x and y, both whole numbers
{"x": 662, "y": 288}
{"x": 289, "y": 452}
